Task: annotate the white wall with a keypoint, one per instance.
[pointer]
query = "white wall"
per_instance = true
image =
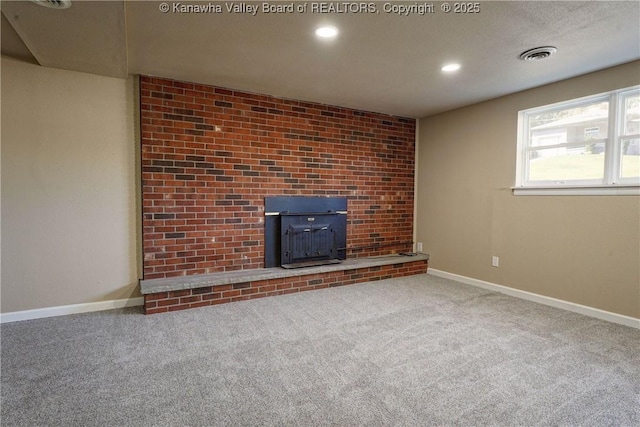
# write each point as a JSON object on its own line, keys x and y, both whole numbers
{"x": 68, "y": 188}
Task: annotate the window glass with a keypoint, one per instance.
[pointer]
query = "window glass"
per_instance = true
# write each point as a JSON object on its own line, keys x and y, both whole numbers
{"x": 630, "y": 162}
{"x": 579, "y": 124}
{"x": 563, "y": 164}
{"x": 632, "y": 115}
{"x": 587, "y": 142}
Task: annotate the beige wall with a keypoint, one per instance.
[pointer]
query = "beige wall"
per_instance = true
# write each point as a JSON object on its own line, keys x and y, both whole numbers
{"x": 580, "y": 249}
{"x": 68, "y": 188}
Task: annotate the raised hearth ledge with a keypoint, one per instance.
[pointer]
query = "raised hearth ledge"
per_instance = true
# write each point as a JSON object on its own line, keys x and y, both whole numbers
{"x": 240, "y": 276}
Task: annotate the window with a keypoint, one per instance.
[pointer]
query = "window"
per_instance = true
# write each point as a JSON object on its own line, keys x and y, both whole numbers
{"x": 585, "y": 146}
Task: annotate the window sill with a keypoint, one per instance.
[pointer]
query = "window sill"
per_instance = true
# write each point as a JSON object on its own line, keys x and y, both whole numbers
{"x": 613, "y": 190}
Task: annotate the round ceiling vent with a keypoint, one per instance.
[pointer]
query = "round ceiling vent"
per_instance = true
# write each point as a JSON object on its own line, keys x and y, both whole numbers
{"x": 538, "y": 53}
{"x": 54, "y": 4}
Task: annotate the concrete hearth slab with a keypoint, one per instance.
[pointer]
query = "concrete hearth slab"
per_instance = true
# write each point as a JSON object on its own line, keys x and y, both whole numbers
{"x": 231, "y": 277}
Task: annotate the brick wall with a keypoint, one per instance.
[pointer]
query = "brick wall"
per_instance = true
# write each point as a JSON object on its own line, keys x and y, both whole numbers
{"x": 210, "y": 156}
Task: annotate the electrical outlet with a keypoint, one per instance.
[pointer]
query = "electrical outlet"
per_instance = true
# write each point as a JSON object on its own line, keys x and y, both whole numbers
{"x": 419, "y": 247}
{"x": 495, "y": 261}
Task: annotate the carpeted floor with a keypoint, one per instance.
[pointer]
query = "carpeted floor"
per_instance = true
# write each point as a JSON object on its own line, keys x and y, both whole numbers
{"x": 416, "y": 351}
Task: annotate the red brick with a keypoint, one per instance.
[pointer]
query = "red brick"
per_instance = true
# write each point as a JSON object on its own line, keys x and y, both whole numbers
{"x": 156, "y": 310}
{"x": 166, "y": 302}
{"x": 181, "y": 293}
{"x": 215, "y": 295}
{"x": 186, "y": 300}
{"x": 200, "y": 304}
{"x": 178, "y": 307}
{"x": 367, "y": 157}
{"x": 160, "y": 295}
{"x": 230, "y": 294}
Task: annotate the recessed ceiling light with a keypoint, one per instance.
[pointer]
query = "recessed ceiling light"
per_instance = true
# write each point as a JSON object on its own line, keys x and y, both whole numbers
{"x": 326, "y": 32}
{"x": 450, "y": 68}
{"x": 54, "y": 4}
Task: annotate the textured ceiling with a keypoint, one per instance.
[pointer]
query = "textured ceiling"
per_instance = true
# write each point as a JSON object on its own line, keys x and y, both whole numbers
{"x": 380, "y": 61}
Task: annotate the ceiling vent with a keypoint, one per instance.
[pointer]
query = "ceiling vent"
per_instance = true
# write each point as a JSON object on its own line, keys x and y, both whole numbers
{"x": 538, "y": 53}
{"x": 54, "y": 4}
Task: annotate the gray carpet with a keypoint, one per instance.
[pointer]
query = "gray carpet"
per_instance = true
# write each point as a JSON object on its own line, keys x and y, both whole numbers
{"x": 414, "y": 351}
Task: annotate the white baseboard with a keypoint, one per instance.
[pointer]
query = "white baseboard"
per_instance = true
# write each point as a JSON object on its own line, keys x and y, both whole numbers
{"x": 553, "y": 302}
{"x": 69, "y": 309}
{"x": 132, "y": 302}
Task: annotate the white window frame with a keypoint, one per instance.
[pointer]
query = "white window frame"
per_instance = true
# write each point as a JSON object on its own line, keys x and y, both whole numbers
{"x": 612, "y": 183}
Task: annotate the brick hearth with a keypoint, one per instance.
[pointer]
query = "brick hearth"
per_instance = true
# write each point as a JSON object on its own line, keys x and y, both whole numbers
{"x": 162, "y": 295}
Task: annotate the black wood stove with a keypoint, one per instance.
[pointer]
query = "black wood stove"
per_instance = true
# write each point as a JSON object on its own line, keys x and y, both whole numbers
{"x": 305, "y": 231}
